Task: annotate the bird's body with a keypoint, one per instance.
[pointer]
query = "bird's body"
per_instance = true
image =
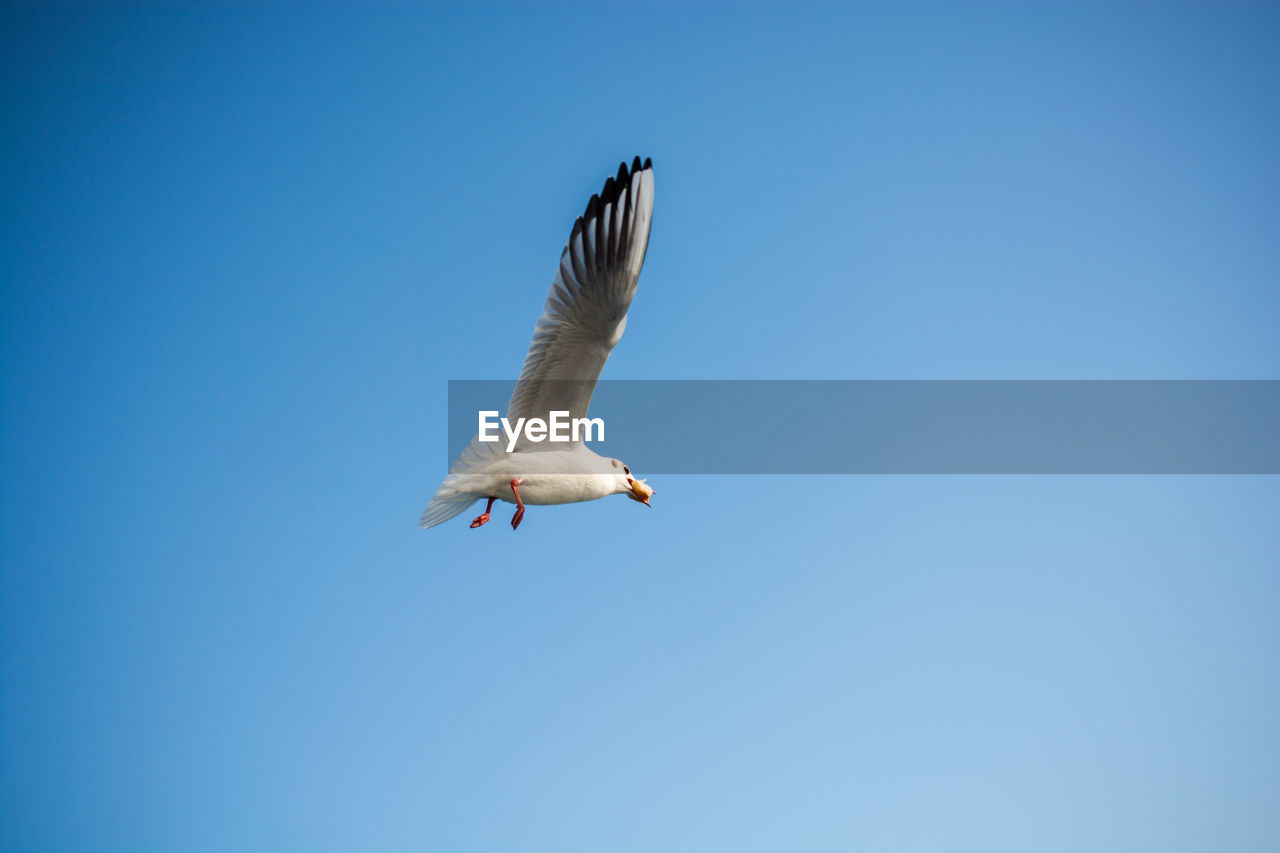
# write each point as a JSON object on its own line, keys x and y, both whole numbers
{"x": 583, "y": 319}
{"x": 545, "y": 477}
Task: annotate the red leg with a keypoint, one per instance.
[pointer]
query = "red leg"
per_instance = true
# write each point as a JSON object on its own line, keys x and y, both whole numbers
{"x": 515, "y": 519}
{"x": 481, "y": 519}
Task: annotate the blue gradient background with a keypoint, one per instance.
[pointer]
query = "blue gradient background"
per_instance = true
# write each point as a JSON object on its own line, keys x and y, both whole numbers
{"x": 243, "y": 252}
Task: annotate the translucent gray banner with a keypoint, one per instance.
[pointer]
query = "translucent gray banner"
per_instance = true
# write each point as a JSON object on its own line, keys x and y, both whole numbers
{"x": 910, "y": 427}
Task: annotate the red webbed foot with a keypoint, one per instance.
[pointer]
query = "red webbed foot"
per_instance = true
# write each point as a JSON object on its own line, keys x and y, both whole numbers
{"x": 483, "y": 517}
{"x": 515, "y": 519}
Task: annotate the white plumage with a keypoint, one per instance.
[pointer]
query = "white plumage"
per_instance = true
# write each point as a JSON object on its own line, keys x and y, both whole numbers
{"x": 583, "y": 319}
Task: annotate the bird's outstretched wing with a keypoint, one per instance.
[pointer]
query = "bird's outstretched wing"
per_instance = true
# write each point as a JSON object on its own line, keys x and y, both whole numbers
{"x": 586, "y": 311}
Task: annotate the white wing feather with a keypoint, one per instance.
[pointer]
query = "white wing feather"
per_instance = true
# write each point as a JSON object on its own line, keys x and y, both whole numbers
{"x": 586, "y": 310}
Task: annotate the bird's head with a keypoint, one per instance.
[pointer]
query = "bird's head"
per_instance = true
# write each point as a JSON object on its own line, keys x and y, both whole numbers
{"x": 637, "y": 490}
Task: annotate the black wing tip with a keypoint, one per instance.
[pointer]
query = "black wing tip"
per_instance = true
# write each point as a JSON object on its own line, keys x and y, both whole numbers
{"x": 614, "y": 185}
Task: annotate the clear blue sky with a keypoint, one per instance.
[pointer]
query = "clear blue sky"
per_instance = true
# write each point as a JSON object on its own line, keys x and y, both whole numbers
{"x": 243, "y": 253}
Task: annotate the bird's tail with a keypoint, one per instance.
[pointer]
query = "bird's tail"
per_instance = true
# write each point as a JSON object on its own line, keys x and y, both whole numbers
{"x": 459, "y": 489}
{"x": 444, "y": 507}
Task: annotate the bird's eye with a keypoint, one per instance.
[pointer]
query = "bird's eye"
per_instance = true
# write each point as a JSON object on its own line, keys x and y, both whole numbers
{"x": 626, "y": 470}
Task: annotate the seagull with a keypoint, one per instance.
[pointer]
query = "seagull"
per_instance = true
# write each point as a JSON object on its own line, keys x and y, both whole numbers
{"x": 583, "y": 319}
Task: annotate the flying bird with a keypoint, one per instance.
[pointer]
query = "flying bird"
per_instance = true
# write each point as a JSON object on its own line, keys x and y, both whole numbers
{"x": 583, "y": 319}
